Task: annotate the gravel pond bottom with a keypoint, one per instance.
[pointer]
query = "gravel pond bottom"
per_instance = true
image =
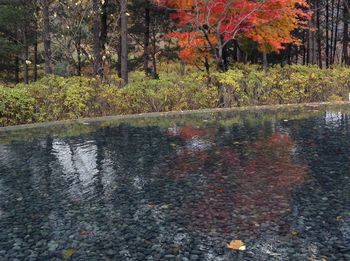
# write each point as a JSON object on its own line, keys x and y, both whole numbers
{"x": 180, "y": 188}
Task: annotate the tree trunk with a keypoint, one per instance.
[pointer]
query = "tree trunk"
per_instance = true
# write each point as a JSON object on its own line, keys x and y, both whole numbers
{"x": 336, "y": 32}
{"x": 289, "y": 51}
{"x": 154, "y": 52}
{"x": 78, "y": 47}
{"x": 124, "y": 41}
{"x": 312, "y": 38}
{"x": 346, "y": 34}
{"x": 327, "y": 34}
{"x": 96, "y": 27}
{"x": 319, "y": 34}
{"x": 46, "y": 36}
{"x": 332, "y": 34}
{"x": 35, "y": 61}
{"x": 265, "y": 61}
{"x": 146, "y": 39}
{"x": 221, "y": 55}
{"x": 17, "y": 69}
{"x": 304, "y": 48}
{"x": 104, "y": 25}
{"x": 35, "y": 58}
{"x": 26, "y": 58}
{"x": 296, "y": 54}
{"x": 119, "y": 50}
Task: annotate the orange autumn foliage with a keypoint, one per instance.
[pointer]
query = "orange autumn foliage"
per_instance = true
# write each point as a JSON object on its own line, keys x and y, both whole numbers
{"x": 212, "y": 24}
{"x": 194, "y": 48}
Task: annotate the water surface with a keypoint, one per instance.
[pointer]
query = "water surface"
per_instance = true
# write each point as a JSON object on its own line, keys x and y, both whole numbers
{"x": 180, "y": 188}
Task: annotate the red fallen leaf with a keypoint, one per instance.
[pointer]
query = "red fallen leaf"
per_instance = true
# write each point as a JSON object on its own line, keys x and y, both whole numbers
{"x": 83, "y": 232}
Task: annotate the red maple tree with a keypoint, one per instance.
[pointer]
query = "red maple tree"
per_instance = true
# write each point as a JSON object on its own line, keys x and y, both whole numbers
{"x": 214, "y": 23}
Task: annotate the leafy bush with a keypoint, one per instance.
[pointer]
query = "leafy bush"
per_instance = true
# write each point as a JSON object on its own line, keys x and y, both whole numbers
{"x": 16, "y": 106}
{"x": 248, "y": 85}
{"x": 169, "y": 93}
{"x": 59, "y": 98}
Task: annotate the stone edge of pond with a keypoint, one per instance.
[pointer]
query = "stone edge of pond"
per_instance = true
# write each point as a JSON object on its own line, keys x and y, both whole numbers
{"x": 171, "y": 113}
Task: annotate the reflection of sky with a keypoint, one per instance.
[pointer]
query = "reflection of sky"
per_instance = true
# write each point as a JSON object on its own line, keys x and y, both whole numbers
{"x": 78, "y": 163}
{"x": 333, "y": 118}
{"x": 198, "y": 144}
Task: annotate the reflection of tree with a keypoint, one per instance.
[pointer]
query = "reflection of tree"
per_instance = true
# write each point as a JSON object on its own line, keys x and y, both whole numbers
{"x": 238, "y": 195}
{"x": 321, "y": 208}
{"x": 83, "y": 186}
{"x": 267, "y": 181}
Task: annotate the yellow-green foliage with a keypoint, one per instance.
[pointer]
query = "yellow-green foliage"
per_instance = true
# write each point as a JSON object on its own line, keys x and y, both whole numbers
{"x": 16, "y": 106}
{"x": 295, "y": 83}
{"x": 169, "y": 93}
{"x": 58, "y": 98}
{"x": 248, "y": 85}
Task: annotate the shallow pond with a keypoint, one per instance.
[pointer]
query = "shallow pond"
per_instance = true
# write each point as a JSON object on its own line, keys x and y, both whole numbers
{"x": 179, "y": 187}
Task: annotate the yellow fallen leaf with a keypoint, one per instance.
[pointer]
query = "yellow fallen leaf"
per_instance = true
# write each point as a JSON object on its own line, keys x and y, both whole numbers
{"x": 237, "y": 245}
{"x": 68, "y": 253}
{"x": 324, "y": 258}
{"x": 294, "y": 233}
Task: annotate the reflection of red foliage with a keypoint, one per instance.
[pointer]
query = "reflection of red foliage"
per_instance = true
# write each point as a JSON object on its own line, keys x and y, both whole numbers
{"x": 267, "y": 181}
{"x": 186, "y": 163}
{"x": 240, "y": 195}
{"x": 189, "y": 132}
{"x": 276, "y": 139}
{"x": 229, "y": 157}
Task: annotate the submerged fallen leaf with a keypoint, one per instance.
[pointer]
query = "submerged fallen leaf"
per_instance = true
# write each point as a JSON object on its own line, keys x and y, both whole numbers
{"x": 340, "y": 218}
{"x": 294, "y": 233}
{"x": 220, "y": 190}
{"x": 256, "y": 224}
{"x": 237, "y": 245}
{"x": 151, "y": 205}
{"x": 68, "y": 253}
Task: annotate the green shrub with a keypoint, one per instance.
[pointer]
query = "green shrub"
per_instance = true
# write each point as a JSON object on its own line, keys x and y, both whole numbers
{"x": 62, "y": 98}
{"x": 169, "y": 93}
{"x": 59, "y": 98}
{"x": 16, "y": 106}
{"x": 249, "y": 85}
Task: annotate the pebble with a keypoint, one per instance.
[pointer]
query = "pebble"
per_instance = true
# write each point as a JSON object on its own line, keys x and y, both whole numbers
{"x": 52, "y": 246}
{"x": 126, "y": 194}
